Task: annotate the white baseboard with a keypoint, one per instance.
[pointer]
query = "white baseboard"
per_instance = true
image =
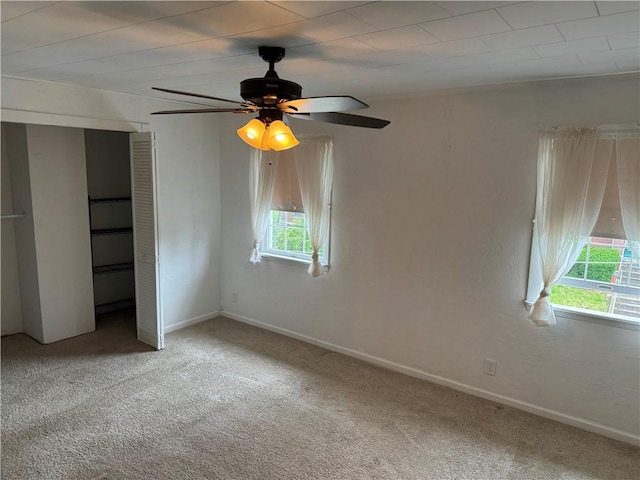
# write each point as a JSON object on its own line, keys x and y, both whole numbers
{"x": 191, "y": 321}
{"x": 478, "y": 392}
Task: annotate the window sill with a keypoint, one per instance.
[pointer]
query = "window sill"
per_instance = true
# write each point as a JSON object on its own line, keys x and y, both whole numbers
{"x": 575, "y": 313}
{"x": 299, "y": 262}
{"x": 619, "y": 321}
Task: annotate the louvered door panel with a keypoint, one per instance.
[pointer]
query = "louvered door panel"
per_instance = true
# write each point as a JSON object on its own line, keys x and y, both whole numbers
{"x": 145, "y": 237}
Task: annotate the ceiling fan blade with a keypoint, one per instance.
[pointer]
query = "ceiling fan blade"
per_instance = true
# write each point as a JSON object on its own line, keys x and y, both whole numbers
{"x": 199, "y": 95}
{"x": 206, "y": 110}
{"x": 322, "y": 104}
{"x": 343, "y": 119}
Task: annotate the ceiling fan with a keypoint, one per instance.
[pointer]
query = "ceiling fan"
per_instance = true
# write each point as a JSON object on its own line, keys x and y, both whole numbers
{"x": 271, "y": 98}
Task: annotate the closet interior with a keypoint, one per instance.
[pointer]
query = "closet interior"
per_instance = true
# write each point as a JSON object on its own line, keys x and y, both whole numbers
{"x": 110, "y": 219}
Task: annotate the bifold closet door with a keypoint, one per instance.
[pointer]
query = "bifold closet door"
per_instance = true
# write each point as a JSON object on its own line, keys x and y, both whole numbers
{"x": 145, "y": 239}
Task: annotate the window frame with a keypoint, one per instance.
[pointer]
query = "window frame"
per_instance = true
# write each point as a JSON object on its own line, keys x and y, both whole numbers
{"x": 296, "y": 257}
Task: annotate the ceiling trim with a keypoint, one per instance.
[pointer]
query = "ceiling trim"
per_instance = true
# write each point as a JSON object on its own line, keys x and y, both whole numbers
{"x": 59, "y": 120}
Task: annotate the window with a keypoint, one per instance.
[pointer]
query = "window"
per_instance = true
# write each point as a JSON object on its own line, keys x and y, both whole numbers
{"x": 605, "y": 278}
{"x": 288, "y": 233}
{"x": 287, "y": 236}
{"x": 586, "y": 243}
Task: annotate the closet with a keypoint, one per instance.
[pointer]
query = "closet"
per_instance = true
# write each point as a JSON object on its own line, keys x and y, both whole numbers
{"x": 69, "y": 213}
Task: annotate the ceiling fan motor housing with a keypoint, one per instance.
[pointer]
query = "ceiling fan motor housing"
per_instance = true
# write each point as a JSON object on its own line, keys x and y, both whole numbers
{"x": 269, "y": 91}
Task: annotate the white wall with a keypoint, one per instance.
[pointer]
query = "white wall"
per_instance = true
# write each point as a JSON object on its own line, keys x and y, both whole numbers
{"x": 17, "y": 155}
{"x": 11, "y": 318}
{"x": 58, "y": 178}
{"x": 431, "y": 236}
{"x": 189, "y": 217}
{"x": 188, "y": 180}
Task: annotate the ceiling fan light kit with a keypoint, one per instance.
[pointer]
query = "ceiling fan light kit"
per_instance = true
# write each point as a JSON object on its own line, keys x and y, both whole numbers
{"x": 280, "y": 136}
{"x": 272, "y": 98}
{"x": 253, "y": 133}
{"x": 276, "y": 136}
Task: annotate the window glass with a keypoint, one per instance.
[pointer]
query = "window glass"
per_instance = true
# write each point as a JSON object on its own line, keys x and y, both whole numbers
{"x": 605, "y": 278}
{"x": 287, "y": 235}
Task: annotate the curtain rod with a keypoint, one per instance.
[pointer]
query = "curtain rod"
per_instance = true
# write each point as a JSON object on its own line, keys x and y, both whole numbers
{"x": 627, "y": 126}
{"x": 617, "y": 128}
{"x": 603, "y": 129}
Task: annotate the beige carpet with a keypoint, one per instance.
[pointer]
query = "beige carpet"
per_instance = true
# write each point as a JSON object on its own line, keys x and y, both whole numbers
{"x": 229, "y": 401}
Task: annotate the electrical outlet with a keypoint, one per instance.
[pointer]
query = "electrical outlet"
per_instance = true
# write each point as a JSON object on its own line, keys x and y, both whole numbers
{"x": 490, "y": 366}
{"x": 234, "y": 297}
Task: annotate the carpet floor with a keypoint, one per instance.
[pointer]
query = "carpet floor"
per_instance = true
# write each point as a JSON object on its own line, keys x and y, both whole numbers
{"x": 226, "y": 400}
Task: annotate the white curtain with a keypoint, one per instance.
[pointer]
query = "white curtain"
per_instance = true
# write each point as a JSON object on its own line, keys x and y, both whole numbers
{"x": 314, "y": 164}
{"x": 572, "y": 173}
{"x": 628, "y": 159}
{"x": 262, "y": 177}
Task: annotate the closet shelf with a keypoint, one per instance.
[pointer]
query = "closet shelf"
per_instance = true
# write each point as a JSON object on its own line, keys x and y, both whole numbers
{"x": 116, "y": 305}
{"x": 109, "y": 200}
{"x": 111, "y": 231}
{"x": 117, "y": 302}
{"x": 116, "y": 207}
{"x": 114, "y": 267}
{"x": 6, "y": 216}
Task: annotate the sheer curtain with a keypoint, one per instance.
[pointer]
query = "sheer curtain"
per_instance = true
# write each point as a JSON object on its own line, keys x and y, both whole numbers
{"x": 314, "y": 164}
{"x": 572, "y": 173}
{"x": 628, "y": 159}
{"x": 262, "y": 177}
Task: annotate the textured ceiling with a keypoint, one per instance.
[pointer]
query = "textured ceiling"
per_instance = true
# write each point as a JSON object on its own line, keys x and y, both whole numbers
{"x": 364, "y": 49}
